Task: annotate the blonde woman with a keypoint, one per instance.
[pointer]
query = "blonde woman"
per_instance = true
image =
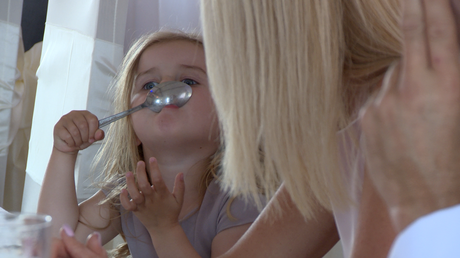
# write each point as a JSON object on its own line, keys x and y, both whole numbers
{"x": 294, "y": 76}
{"x": 150, "y": 156}
{"x": 302, "y": 70}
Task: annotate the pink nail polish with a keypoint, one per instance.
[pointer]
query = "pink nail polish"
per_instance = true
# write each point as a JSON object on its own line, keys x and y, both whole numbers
{"x": 98, "y": 236}
{"x": 68, "y": 230}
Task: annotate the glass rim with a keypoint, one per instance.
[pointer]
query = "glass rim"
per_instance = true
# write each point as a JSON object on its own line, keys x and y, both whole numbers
{"x": 17, "y": 218}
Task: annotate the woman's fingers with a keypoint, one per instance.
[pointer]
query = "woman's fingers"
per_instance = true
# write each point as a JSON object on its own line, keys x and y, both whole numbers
{"x": 94, "y": 244}
{"x": 58, "y": 249}
{"x": 456, "y": 8}
{"x": 415, "y": 50}
{"x": 76, "y": 249}
{"x": 159, "y": 185}
{"x": 441, "y": 35}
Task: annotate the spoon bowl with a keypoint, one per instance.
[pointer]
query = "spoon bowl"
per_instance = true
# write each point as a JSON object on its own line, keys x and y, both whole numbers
{"x": 164, "y": 94}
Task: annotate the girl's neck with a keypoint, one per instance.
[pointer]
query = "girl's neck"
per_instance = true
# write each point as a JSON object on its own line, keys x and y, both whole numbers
{"x": 194, "y": 165}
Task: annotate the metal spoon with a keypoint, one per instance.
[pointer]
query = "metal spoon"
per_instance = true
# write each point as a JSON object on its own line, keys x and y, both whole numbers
{"x": 166, "y": 93}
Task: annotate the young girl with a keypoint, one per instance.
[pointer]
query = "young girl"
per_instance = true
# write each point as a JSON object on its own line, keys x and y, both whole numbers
{"x": 146, "y": 156}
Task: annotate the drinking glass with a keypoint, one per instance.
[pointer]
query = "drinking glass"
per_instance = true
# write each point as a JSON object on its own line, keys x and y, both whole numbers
{"x": 25, "y": 235}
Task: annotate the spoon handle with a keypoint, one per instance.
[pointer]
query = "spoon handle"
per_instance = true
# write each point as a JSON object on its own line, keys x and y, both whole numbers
{"x": 108, "y": 120}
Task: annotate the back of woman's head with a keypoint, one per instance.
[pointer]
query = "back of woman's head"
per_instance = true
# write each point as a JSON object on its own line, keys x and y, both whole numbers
{"x": 277, "y": 71}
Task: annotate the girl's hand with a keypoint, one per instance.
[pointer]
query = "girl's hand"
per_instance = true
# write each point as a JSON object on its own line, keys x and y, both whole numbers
{"x": 412, "y": 129}
{"x": 156, "y": 207}
{"x": 76, "y": 131}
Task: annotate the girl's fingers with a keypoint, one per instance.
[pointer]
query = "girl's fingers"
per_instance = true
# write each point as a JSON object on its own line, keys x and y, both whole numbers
{"x": 142, "y": 180}
{"x": 441, "y": 34}
{"x": 125, "y": 202}
{"x": 415, "y": 49}
{"x": 93, "y": 126}
{"x": 157, "y": 180}
{"x": 179, "y": 188}
{"x": 136, "y": 196}
{"x": 81, "y": 128}
{"x": 99, "y": 134}
{"x": 66, "y": 136}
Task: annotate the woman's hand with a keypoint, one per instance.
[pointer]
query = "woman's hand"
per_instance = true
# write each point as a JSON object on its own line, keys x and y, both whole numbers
{"x": 412, "y": 128}
{"x": 156, "y": 207}
{"x": 76, "y": 131}
{"x": 69, "y": 247}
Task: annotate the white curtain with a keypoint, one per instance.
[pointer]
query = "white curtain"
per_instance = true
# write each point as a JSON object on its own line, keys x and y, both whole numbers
{"x": 11, "y": 94}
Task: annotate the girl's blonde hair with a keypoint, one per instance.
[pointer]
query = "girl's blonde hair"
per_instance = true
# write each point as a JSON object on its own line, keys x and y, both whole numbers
{"x": 120, "y": 152}
{"x": 284, "y": 76}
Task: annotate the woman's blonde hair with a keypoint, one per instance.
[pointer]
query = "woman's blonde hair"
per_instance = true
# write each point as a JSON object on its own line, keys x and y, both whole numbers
{"x": 120, "y": 152}
{"x": 284, "y": 76}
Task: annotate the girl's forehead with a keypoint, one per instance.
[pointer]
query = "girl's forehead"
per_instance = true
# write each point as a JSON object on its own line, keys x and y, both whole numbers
{"x": 162, "y": 54}
{"x": 174, "y": 45}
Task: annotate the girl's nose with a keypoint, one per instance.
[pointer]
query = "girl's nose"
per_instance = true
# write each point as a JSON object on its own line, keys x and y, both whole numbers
{"x": 168, "y": 79}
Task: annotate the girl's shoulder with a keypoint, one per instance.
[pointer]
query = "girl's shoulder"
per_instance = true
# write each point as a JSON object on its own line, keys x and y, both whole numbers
{"x": 226, "y": 210}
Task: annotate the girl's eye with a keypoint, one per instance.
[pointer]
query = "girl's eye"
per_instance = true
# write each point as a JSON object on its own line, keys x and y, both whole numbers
{"x": 189, "y": 81}
{"x": 150, "y": 85}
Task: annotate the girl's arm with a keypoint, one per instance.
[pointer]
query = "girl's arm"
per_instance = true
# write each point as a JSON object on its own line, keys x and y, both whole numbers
{"x": 289, "y": 235}
{"x": 375, "y": 231}
{"x": 74, "y": 131}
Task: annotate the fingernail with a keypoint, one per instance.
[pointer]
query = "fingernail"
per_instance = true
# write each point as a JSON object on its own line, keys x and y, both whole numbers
{"x": 68, "y": 230}
{"x": 152, "y": 159}
{"x": 98, "y": 236}
{"x": 91, "y": 140}
{"x": 181, "y": 177}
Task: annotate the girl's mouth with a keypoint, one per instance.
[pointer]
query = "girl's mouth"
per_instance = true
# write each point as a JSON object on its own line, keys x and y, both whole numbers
{"x": 171, "y": 106}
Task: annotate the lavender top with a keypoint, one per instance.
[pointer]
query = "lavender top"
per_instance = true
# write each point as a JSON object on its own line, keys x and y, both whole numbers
{"x": 200, "y": 227}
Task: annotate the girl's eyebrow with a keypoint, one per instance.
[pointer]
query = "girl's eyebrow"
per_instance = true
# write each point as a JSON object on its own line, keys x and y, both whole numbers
{"x": 153, "y": 69}
{"x": 194, "y": 67}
